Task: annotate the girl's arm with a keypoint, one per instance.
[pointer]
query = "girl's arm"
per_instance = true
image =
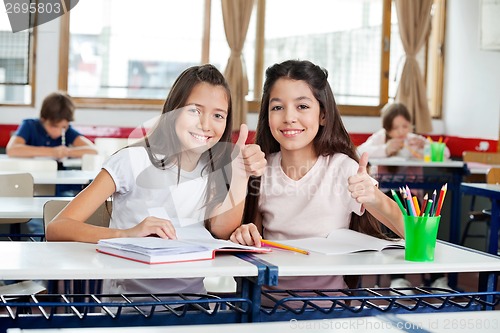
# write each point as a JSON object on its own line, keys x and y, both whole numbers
{"x": 377, "y": 203}
{"x": 250, "y": 162}
{"x": 375, "y": 145}
{"x": 69, "y": 224}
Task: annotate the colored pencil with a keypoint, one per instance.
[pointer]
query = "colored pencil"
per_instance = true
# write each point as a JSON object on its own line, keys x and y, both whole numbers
{"x": 411, "y": 207}
{"x": 398, "y": 201}
{"x": 415, "y": 204}
{"x": 424, "y": 204}
{"x": 442, "y": 194}
{"x": 282, "y": 246}
{"x": 428, "y": 207}
{"x": 433, "y": 203}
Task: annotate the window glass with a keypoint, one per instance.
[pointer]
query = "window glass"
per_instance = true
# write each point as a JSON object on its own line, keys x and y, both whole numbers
{"x": 344, "y": 37}
{"x": 15, "y": 63}
{"x": 132, "y": 49}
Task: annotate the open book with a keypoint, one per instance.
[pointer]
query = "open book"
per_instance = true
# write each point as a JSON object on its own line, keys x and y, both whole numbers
{"x": 192, "y": 244}
{"x": 344, "y": 241}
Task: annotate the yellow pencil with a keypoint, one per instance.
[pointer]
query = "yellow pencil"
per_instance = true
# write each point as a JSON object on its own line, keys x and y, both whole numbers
{"x": 283, "y": 246}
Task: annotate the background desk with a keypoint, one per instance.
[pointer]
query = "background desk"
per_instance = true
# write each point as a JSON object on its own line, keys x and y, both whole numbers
{"x": 69, "y": 177}
{"x": 24, "y": 207}
{"x": 492, "y": 192}
{"x": 453, "y": 172}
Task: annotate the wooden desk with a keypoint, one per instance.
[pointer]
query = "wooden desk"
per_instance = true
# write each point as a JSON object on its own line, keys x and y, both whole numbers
{"x": 455, "y": 169}
{"x": 59, "y": 177}
{"x": 25, "y": 207}
{"x": 492, "y": 192}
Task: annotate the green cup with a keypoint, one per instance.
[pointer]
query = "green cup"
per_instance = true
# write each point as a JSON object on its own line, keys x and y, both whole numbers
{"x": 420, "y": 237}
{"x": 437, "y": 151}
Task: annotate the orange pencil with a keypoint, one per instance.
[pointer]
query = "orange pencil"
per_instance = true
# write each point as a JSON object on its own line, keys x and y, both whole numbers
{"x": 415, "y": 204}
{"x": 442, "y": 193}
{"x": 283, "y": 246}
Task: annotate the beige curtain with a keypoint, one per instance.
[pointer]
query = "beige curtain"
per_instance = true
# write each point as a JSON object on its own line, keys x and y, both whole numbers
{"x": 236, "y": 15}
{"x": 414, "y": 25}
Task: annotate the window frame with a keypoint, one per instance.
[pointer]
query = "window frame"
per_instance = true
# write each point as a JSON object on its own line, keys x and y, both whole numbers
{"x": 435, "y": 96}
{"x": 31, "y": 72}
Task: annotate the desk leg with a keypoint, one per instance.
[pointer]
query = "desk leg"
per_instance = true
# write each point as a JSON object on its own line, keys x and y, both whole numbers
{"x": 494, "y": 221}
{"x": 456, "y": 205}
{"x": 455, "y": 209}
{"x": 488, "y": 282}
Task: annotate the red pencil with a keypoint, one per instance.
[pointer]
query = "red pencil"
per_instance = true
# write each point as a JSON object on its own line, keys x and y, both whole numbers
{"x": 442, "y": 193}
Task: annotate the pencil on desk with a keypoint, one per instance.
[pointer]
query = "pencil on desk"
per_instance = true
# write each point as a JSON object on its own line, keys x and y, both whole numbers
{"x": 283, "y": 246}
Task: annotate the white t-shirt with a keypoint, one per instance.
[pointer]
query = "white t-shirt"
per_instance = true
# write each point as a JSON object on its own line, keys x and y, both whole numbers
{"x": 313, "y": 206}
{"x": 143, "y": 190}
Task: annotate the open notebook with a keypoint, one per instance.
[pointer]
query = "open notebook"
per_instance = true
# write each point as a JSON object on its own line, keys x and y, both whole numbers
{"x": 192, "y": 244}
{"x": 344, "y": 241}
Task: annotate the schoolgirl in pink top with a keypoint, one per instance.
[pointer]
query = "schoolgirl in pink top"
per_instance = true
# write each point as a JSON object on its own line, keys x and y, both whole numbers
{"x": 314, "y": 183}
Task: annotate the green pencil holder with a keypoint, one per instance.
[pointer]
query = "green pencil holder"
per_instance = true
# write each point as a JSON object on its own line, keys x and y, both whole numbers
{"x": 420, "y": 237}
{"x": 437, "y": 151}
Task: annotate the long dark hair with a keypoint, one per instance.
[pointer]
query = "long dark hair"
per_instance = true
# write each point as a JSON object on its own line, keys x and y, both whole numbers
{"x": 163, "y": 145}
{"x": 332, "y": 138}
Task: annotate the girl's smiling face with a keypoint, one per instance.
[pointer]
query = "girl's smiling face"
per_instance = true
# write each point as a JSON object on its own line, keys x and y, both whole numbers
{"x": 202, "y": 122}
{"x": 294, "y": 115}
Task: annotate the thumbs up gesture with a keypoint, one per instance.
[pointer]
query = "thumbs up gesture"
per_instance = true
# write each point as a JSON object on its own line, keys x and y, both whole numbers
{"x": 361, "y": 185}
{"x": 248, "y": 160}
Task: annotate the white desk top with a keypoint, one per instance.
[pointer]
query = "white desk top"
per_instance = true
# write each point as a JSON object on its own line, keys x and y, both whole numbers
{"x": 447, "y": 258}
{"x": 72, "y": 260}
{"x": 483, "y": 186}
{"x": 73, "y": 177}
{"x": 463, "y": 321}
{"x": 25, "y": 208}
{"x": 398, "y": 161}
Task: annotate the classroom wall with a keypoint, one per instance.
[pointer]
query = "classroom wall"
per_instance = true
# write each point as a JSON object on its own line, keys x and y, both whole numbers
{"x": 472, "y": 76}
{"x": 472, "y": 83}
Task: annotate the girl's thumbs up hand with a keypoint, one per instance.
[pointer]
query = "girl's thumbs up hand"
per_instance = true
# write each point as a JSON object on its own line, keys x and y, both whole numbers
{"x": 247, "y": 158}
{"x": 361, "y": 184}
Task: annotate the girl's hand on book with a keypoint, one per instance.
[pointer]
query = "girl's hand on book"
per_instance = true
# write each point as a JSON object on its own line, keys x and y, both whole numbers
{"x": 249, "y": 160}
{"x": 246, "y": 234}
{"x": 360, "y": 185}
{"x": 153, "y": 226}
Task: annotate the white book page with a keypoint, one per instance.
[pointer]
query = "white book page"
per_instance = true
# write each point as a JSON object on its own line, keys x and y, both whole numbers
{"x": 343, "y": 241}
